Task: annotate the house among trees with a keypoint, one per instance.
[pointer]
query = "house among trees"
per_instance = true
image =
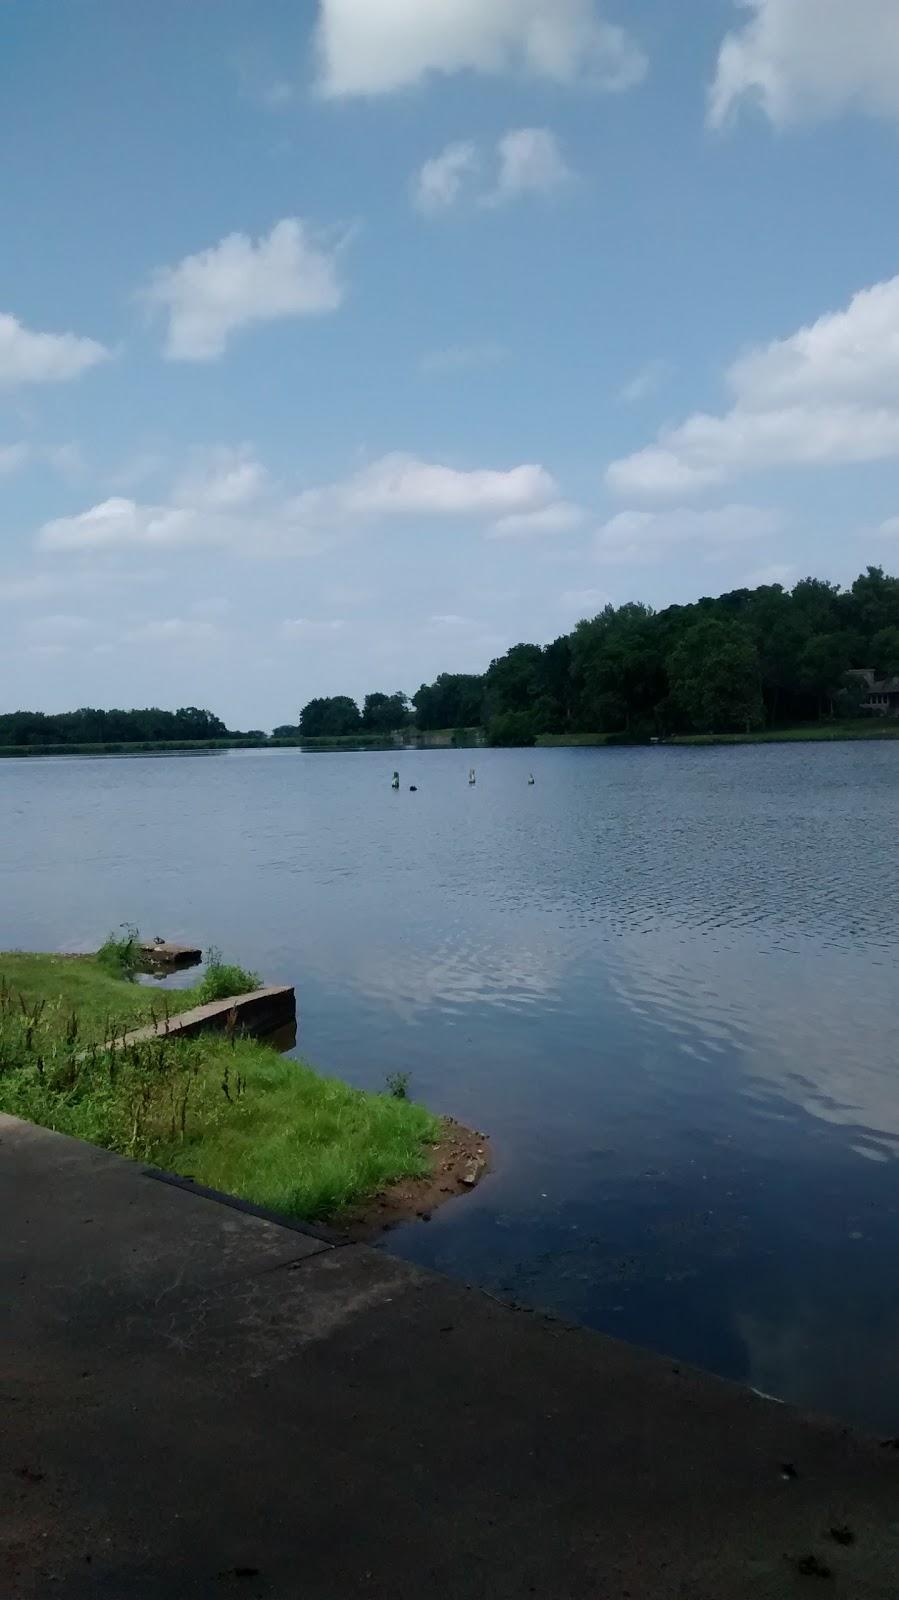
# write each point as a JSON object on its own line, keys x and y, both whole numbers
{"x": 882, "y": 697}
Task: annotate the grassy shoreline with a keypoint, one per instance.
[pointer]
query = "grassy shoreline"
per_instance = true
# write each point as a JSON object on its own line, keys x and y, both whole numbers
{"x": 463, "y": 739}
{"x": 230, "y": 1112}
{"x": 824, "y": 733}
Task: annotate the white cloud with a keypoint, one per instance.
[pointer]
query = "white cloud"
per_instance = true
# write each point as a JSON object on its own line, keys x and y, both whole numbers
{"x": 890, "y": 528}
{"x": 27, "y": 357}
{"x": 223, "y": 479}
{"x": 450, "y": 620}
{"x": 826, "y": 395}
{"x": 802, "y": 59}
{"x": 559, "y": 517}
{"x": 227, "y": 499}
{"x": 290, "y": 272}
{"x": 402, "y": 485}
{"x": 12, "y": 457}
{"x": 378, "y": 46}
{"x": 525, "y": 161}
{"x": 644, "y": 537}
{"x": 118, "y": 523}
{"x": 442, "y": 180}
{"x": 530, "y": 162}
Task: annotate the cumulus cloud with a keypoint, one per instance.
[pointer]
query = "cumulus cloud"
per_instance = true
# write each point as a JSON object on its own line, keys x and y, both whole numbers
{"x": 28, "y": 357}
{"x": 372, "y": 47}
{"x": 559, "y": 517}
{"x": 525, "y": 161}
{"x": 228, "y": 500}
{"x": 120, "y": 523}
{"x": 828, "y": 394}
{"x": 403, "y": 485}
{"x": 530, "y": 162}
{"x": 803, "y": 59}
{"x": 642, "y": 537}
{"x": 223, "y": 479}
{"x": 441, "y": 181}
{"x": 290, "y": 272}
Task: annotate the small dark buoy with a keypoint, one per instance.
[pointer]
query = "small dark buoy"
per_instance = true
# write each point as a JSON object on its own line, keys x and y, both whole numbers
{"x": 413, "y": 788}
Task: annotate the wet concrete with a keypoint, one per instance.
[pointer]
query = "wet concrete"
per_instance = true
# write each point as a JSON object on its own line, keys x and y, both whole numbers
{"x": 198, "y": 1401}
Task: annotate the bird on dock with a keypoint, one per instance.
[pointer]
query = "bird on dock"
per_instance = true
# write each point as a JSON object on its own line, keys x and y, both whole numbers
{"x": 396, "y": 781}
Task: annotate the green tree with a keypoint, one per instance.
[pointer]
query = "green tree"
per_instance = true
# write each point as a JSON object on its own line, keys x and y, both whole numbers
{"x": 332, "y": 718}
{"x": 873, "y": 603}
{"x": 454, "y": 700}
{"x": 714, "y": 674}
{"x": 885, "y": 653}
{"x": 823, "y": 665}
{"x": 385, "y": 713}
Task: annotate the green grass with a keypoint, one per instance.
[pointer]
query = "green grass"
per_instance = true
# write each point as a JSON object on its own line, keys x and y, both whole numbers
{"x": 231, "y": 1113}
{"x": 222, "y": 980}
{"x": 818, "y": 732}
{"x": 553, "y": 741}
{"x": 297, "y": 1142}
{"x": 81, "y": 984}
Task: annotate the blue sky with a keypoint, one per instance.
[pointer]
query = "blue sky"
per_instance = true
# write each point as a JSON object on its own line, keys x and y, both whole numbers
{"x": 347, "y": 341}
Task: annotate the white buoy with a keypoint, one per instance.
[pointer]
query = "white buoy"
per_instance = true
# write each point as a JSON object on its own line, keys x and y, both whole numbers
{"x": 396, "y": 781}
{"x": 530, "y": 778}
{"x": 471, "y": 775}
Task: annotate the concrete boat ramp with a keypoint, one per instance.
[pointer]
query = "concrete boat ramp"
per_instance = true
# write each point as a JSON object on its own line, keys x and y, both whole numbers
{"x": 201, "y": 1401}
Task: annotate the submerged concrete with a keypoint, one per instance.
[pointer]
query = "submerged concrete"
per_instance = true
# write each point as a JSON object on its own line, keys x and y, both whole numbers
{"x": 260, "y": 1013}
{"x": 198, "y": 1400}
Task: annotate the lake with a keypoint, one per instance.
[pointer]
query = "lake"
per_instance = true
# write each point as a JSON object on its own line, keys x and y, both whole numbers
{"x": 663, "y": 980}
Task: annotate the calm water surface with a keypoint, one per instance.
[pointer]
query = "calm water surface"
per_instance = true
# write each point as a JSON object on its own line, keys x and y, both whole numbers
{"x": 665, "y": 981}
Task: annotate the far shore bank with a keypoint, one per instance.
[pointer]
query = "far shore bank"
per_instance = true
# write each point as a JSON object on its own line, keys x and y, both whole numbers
{"x": 468, "y": 739}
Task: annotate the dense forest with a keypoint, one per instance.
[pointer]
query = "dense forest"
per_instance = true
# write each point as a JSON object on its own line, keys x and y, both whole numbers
{"x": 749, "y": 659}
{"x": 110, "y": 727}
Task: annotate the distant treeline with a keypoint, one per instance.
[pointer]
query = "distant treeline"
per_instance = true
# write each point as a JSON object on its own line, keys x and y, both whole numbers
{"x": 750, "y": 659}
{"x": 90, "y": 727}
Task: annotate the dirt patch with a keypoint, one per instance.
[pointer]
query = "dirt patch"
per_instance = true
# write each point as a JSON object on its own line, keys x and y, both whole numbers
{"x": 458, "y": 1163}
